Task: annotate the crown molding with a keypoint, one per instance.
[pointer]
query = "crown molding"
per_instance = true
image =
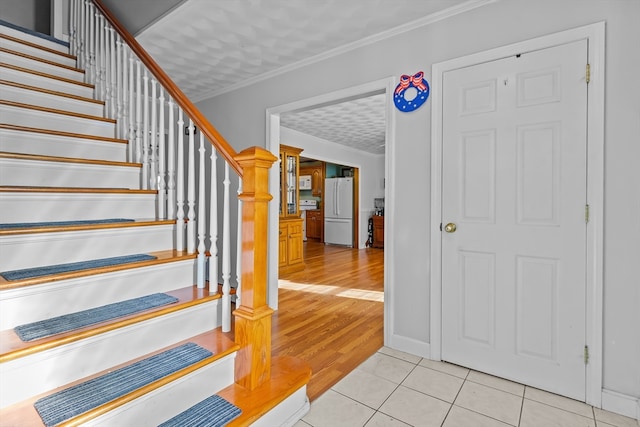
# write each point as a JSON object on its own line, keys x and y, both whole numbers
{"x": 426, "y": 20}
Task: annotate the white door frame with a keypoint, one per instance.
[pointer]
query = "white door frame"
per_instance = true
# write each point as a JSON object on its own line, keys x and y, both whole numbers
{"x": 385, "y": 85}
{"x": 595, "y": 34}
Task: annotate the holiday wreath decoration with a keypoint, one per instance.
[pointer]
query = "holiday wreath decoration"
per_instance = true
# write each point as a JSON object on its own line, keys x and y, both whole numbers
{"x": 416, "y": 81}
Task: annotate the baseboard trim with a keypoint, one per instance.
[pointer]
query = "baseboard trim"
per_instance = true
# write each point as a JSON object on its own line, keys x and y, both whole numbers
{"x": 622, "y": 404}
{"x": 409, "y": 345}
{"x": 288, "y": 412}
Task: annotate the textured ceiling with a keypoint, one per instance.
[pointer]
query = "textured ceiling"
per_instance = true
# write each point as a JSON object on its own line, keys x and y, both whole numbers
{"x": 209, "y": 47}
{"x": 359, "y": 123}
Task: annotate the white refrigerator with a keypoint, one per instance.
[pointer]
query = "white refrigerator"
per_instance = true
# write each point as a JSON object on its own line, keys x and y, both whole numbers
{"x": 338, "y": 211}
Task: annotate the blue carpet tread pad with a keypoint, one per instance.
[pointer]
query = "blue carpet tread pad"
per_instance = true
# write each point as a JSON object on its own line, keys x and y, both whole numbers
{"x": 78, "y": 399}
{"x": 29, "y": 273}
{"x": 214, "y": 411}
{"x": 69, "y": 322}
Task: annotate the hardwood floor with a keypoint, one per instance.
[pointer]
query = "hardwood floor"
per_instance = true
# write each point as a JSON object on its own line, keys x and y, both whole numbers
{"x": 331, "y": 313}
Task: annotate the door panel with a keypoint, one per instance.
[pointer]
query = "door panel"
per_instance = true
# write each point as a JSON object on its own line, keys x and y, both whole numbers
{"x": 514, "y": 183}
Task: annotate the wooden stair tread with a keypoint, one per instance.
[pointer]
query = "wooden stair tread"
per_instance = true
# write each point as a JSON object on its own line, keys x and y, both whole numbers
{"x": 37, "y": 46}
{"x": 42, "y": 60}
{"x": 46, "y": 75}
{"x": 88, "y": 190}
{"x": 162, "y": 257}
{"x": 21, "y": 156}
{"x": 24, "y": 413}
{"x": 51, "y": 92}
{"x": 288, "y": 374}
{"x": 61, "y": 133}
{"x": 12, "y": 347}
{"x": 84, "y": 227}
{"x": 56, "y": 111}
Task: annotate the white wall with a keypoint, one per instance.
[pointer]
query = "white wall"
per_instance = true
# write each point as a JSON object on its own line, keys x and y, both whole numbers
{"x": 371, "y": 169}
{"x": 240, "y": 116}
{"x": 30, "y": 14}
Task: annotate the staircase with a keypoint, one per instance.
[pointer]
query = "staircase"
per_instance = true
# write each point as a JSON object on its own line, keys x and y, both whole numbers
{"x": 72, "y": 200}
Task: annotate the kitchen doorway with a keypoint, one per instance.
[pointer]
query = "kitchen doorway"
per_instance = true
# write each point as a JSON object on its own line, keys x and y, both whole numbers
{"x": 350, "y": 157}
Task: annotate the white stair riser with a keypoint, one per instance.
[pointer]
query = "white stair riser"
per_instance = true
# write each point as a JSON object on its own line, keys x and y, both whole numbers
{"x": 48, "y": 100}
{"x": 28, "y": 207}
{"x": 25, "y": 142}
{"x": 54, "y": 299}
{"x": 61, "y": 365}
{"x": 33, "y": 39}
{"x": 63, "y": 174}
{"x": 170, "y": 400}
{"x": 40, "y": 249}
{"x": 45, "y": 82}
{"x": 54, "y": 121}
{"x": 39, "y": 53}
{"x": 43, "y": 67}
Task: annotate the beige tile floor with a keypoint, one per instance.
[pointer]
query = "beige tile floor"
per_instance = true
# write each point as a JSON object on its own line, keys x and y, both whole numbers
{"x": 397, "y": 389}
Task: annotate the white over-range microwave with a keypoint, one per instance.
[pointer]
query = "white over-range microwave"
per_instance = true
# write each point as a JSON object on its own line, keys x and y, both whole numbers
{"x": 305, "y": 182}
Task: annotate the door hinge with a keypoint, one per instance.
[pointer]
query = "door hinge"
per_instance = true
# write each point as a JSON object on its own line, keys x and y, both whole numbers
{"x": 586, "y": 354}
{"x": 586, "y": 214}
{"x": 587, "y": 74}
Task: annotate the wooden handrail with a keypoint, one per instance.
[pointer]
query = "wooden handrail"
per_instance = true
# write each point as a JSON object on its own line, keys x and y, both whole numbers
{"x": 174, "y": 91}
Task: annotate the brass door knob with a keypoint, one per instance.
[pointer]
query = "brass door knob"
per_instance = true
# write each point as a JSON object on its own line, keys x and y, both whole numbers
{"x": 450, "y": 228}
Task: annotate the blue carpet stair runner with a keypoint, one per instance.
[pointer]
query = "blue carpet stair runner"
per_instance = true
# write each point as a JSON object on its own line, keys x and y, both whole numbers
{"x": 214, "y": 411}
{"x": 28, "y": 273}
{"x": 68, "y": 403}
{"x": 80, "y": 319}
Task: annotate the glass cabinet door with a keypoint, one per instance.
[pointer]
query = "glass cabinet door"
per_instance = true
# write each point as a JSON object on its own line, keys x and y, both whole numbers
{"x": 292, "y": 184}
{"x": 289, "y": 191}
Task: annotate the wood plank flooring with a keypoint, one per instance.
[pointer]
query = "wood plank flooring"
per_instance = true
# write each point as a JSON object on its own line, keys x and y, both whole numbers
{"x": 331, "y": 313}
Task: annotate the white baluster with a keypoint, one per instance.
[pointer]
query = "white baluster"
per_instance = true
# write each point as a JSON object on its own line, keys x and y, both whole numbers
{"x": 226, "y": 254}
{"x": 103, "y": 62}
{"x": 171, "y": 165}
{"x": 191, "y": 192}
{"x": 145, "y": 131}
{"x": 180, "y": 242}
{"x": 213, "y": 226}
{"x": 98, "y": 61}
{"x": 133, "y": 155}
{"x": 138, "y": 147}
{"x": 201, "y": 216}
{"x": 73, "y": 17}
{"x": 118, "y": 85}
{"x": 239, "y": 247}
{"x": 107, "y": 69}
{"x": 112, "y": 74}
{"x": 91, "y": 66}
{"x": 124, "y": 92}
{"x": 81, "y": 34}
{"x": 161, "y": 184}
{"x": 153, "y": 161}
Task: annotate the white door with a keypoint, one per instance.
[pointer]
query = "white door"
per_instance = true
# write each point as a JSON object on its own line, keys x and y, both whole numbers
{"x": 514, "y": 185}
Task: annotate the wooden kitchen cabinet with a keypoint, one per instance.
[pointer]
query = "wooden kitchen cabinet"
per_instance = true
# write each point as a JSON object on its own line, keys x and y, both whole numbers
{"x": 289, "y": 179}
{"x": 315, "y": 224}
{"x": 378, "y": 231}
{"x": 291, "y": 255}
{"x": 317, "y": 178}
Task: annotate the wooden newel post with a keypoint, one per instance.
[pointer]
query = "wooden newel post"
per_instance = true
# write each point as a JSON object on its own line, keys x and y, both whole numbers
{"x": 253, "y": 317}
